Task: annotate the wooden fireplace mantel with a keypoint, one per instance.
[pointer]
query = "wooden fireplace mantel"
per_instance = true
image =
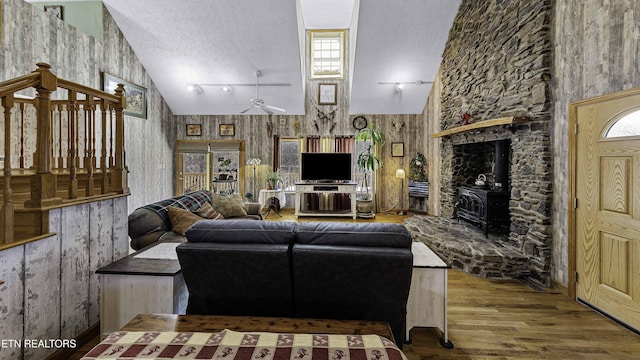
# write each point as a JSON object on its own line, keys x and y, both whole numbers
{"x": 481, "y": 124}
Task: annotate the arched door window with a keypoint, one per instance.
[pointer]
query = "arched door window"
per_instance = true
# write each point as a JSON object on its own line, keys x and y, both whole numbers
{"x": 627, "y": 125}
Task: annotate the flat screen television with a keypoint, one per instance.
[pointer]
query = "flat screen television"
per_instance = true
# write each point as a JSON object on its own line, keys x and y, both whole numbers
{"x": 326, "y": 167}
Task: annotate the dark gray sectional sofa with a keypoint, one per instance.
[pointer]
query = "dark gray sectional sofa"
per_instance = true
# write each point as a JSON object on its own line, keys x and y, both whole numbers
{"x": 358, "y": 271}
{"x": 150, "y": 223}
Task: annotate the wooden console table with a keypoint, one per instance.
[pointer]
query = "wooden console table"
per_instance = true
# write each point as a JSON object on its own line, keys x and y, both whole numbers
{"x": 325, "y": 188}
{"x": 215, "y": 323}
{"x": 134, "y": 285}
{"x": 427, "y": 303}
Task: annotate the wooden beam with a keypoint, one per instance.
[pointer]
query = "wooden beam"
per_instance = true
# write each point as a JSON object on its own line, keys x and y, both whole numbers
{"x": 481, "y": 125}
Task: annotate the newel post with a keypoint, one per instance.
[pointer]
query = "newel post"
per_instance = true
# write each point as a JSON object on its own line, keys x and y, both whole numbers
{"x": 7, "y": 211}
{"x": 119, "y": 177}
{"x": 43, "y": 184}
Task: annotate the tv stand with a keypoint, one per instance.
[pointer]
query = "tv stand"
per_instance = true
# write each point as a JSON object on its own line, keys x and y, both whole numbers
{"x": 325, "y": 188}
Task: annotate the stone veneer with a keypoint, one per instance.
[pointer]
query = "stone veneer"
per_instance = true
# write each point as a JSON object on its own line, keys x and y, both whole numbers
{"x": 463, "y": 247}
{"x": 497, "y": 63}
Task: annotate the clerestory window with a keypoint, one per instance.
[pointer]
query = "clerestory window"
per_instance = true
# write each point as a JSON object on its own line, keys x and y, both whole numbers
{"x": 326, "y": 54}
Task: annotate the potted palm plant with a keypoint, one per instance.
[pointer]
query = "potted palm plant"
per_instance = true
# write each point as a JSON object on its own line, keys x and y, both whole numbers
{"x": 369, "y": 161}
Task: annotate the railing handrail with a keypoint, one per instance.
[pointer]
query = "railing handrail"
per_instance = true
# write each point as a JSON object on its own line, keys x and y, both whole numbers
{"x": 9, "y": 87}
{"x": 92, "y": 119}
{"x": 66, "y": 84}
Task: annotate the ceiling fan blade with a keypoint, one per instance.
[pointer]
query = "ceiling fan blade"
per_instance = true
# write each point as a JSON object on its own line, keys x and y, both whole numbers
{"x": 275, "y": 108}
{"x": 266, "y": 109}
{"x": 258, "y": 102}
{"x": 245, "y": 110}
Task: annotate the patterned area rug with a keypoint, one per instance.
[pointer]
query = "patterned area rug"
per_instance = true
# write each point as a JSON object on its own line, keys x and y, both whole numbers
{"x": 232, "y": 345}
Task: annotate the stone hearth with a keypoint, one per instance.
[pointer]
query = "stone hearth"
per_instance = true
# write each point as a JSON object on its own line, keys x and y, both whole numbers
{"x": 465, "y": 247}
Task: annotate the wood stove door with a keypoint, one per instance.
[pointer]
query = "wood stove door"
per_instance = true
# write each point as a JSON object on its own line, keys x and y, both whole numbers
{"x": 608, "y": 210}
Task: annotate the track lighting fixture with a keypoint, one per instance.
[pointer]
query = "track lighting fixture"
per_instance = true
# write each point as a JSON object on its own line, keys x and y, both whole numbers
{"x": 195, "y": 88}
{"x": 400, "y": 84}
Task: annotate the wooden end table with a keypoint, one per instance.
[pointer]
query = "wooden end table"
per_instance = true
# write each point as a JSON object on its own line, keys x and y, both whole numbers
{"x": 133, "y": 285}
{"x": 427, "y": 302}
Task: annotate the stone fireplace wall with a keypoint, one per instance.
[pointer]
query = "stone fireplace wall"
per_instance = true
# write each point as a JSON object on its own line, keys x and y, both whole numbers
{"x": 474, "y": 159}
{"x": 497, "y": 63}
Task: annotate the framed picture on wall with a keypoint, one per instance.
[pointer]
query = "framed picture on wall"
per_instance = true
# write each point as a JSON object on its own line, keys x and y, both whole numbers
{"x": 328, "y": 94}
{"x": 55, "y": 10}
{"x": 136, "y": 96}
{"x": 227, "y": 129}
{"x": 397, "y": 149}
{"x": 194, "y": 130}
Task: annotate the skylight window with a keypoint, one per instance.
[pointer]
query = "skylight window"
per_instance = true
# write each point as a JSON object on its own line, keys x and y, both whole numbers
{"x": 326, "y": 54}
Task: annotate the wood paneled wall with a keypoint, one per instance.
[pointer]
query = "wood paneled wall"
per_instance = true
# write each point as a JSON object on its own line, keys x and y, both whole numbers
{"x": 254, "y": 129}
{"x": 31, "y": 36}
{"x": 597, "y": 51}
{"x": 50, "y": 285}
{"x": 433, "y": 151}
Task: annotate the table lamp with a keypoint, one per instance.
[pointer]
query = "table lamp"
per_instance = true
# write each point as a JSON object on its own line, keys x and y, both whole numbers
{"x": 400, "y": 174}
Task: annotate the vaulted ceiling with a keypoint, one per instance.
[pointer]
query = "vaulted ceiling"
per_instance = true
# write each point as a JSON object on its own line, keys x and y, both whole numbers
{"x": 226, "y": 41}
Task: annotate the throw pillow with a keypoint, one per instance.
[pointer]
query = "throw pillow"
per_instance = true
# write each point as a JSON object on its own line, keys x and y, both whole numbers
{"x": 228, "y": 205}
{"x": 181, "y": 219}
{"x": 206, "y": 211}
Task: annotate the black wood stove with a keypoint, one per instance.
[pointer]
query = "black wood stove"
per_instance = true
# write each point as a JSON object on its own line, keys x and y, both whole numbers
{"x": 489, "y": 209}
{"x": 484, "y": 206}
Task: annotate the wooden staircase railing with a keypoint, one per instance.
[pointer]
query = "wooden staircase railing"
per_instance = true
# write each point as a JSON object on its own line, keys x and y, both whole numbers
{"x": 75, "y": 139}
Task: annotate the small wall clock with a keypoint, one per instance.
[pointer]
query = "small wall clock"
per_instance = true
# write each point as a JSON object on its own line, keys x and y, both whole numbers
{"x": 359, "y": 122}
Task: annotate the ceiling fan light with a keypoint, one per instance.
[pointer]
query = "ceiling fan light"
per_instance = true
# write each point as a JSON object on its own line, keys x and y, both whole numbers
{"x": 226, "y": 88}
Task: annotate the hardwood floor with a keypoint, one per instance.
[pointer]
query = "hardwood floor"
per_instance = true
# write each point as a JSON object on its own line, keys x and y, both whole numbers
{"x": 506, "y": 319}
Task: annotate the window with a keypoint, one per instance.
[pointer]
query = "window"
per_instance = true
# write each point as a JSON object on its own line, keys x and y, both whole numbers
{"x": 326, "y": 54}
{"x": 628, "y": 125}
{"x": 289, "y": 154}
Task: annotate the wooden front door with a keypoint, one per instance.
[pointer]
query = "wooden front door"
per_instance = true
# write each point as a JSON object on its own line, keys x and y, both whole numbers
{"x": 607, "y": 204}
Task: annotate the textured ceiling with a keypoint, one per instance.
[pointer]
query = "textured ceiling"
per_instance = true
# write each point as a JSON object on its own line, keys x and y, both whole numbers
{"x": 226, "y": 41}
{"x": 398, "y": 44}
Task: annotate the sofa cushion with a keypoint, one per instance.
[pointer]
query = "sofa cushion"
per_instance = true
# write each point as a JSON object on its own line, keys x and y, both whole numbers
{"x": 142, "y": 222}
{"x": 191, "y": 202}
{"x": 171, "y": 236}
{"x": 206, "y": 211}
{"x": 228, "y": 205}
{"x": 237, "y": 279}
{"x": 242, "y": 231}
{"x": 360, "y": 234}
{"x": 353, "y": 271}
{"x": 181, "y": 219}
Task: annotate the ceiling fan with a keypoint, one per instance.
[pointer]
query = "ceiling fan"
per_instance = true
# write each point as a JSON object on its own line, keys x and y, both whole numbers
{"x": 259, "y": 103}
